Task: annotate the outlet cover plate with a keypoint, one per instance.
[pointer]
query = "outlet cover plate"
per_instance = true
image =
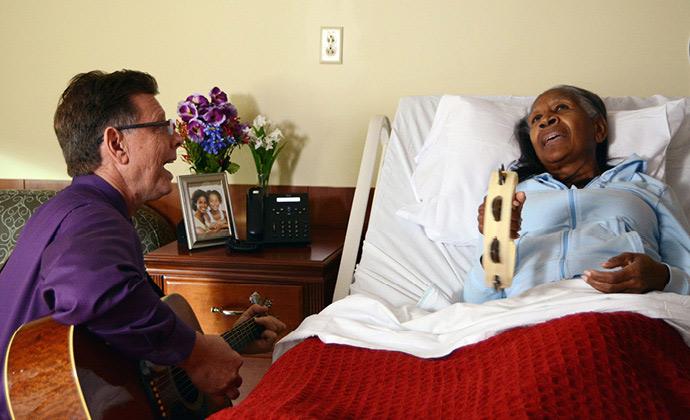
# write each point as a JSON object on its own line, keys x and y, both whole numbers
{"x": 331, "y": 45}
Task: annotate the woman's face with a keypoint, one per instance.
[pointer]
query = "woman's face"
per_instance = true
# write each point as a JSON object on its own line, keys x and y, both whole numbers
{"x": 562, "y": 133}
{"x": 201, "y": 204}
{"x": 214, "y": 202}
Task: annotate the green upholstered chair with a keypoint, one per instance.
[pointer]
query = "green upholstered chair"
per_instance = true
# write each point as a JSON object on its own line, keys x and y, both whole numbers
{"x": 16, "y": 206}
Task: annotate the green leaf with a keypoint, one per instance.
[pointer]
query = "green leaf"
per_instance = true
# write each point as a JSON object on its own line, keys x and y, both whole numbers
{"x": 257, "y": 158}
{"x": 233, "y": 168}
{"x": 274, "y": 157}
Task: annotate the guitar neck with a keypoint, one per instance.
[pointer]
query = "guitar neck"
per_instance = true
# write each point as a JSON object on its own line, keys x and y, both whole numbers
{"x": 239, "y": 337}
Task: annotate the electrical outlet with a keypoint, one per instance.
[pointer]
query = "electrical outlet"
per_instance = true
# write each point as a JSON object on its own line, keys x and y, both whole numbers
{"x": 331, "y": 45}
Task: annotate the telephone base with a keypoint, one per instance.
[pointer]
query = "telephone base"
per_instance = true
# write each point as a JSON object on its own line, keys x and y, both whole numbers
{"x": 240, "y": 245}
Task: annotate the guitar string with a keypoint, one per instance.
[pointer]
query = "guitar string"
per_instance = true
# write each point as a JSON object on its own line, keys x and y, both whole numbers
{"x": 240, "y": 334}
{"x": 241, "y": 331}
{"x": 245, "y": 330}
{"x": 178, "y": 375}
{"x": 186, "y": 387}
{"x": 233, "y": 337}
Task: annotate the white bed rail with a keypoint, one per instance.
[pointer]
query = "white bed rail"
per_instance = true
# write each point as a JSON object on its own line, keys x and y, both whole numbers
{"x": 377, "y": 135}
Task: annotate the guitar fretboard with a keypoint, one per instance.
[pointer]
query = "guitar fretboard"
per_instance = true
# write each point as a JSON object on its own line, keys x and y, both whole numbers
{"x": 239, "y": 337}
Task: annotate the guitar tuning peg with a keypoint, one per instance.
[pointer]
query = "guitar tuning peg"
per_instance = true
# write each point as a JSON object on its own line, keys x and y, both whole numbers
{"x": 255, "y": 298}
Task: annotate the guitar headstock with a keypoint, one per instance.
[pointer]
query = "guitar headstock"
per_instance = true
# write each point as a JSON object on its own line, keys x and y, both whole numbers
{"x": 256, "y": 298}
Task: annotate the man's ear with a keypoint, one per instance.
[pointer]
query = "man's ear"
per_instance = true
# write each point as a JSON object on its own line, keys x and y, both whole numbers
{"x": 601, "y": 128}
{"x": 115, "y": 146}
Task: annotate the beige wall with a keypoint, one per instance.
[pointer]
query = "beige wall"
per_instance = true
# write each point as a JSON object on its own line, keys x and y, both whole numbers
{"x": 264, "y": 53}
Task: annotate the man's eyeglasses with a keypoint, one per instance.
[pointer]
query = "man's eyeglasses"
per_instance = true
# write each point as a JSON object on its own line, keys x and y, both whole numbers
{"x": 169, "y": 123}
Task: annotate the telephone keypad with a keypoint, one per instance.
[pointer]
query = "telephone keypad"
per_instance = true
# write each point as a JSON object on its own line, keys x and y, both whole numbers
{"x": 288, "y": 217}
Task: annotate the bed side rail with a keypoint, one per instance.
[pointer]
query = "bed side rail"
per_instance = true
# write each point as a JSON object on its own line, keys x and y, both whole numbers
{"x": 377, "y": 135}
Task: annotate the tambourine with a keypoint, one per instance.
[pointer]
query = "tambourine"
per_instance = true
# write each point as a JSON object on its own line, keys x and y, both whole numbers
{"x": 499, "y": 248}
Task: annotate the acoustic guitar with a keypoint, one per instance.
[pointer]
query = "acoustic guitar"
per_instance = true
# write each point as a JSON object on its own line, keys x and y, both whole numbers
{"x": 57, "y": 371}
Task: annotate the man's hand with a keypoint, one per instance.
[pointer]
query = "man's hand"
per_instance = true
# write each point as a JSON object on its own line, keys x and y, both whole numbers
{"x": 273, "y": 327}
{"x": 639, "y": 274}
{"x": 516, "y": 215}
{"x": 214, "y": 368}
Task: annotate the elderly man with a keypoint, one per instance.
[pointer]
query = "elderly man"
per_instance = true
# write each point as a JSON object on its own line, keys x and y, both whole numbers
{"x": 79, "y": 258}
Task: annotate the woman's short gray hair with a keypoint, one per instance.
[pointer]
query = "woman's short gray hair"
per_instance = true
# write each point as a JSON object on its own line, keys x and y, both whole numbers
{"x": 590, "y": 102}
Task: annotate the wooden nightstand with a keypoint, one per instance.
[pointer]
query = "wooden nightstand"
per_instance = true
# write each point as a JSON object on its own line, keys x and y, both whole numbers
{"x": 299, "y": 280}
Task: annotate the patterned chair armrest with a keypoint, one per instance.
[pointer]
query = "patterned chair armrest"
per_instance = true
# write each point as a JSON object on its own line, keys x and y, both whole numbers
{"x": 152, "y": 228}
{"x": 16, "y": 206}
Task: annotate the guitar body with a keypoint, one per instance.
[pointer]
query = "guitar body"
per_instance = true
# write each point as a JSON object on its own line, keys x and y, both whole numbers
{"x": 56, "y": 371}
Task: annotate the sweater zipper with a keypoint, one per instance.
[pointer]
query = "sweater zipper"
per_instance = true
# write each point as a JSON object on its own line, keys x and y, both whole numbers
{"x": 566, "y": 234}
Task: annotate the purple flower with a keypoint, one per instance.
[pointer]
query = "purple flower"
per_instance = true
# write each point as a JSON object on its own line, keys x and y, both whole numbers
{"x": 197, "y": 99}
{"x": 203, "y": 109}
{"x": 218, "y": 96}
{"x": 187, "y": 111}
{"x": 195, "y": 131}
{"x": 228, "y": 110}
{"x": 214, "y": 116}
{"x": 213, "y": 123}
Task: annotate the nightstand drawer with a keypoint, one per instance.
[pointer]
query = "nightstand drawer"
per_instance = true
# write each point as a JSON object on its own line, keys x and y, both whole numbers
{"x": 204, "y": 295}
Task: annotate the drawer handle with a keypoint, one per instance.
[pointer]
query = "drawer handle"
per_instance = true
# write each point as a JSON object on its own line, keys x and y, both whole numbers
{"x": 226, "y": 311}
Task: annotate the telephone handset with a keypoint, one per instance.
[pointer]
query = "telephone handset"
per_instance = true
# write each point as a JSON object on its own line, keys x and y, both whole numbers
{"x": 255, "y": 214}
{"x": 275, "y": 219}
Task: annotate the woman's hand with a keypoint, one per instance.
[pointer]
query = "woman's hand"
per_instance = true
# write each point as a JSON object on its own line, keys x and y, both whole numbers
{"x": 273, "y": 327}
{"x": 218, "y": 226}
{"x": 515, "y": 219}
{"x": 639, "y": 274}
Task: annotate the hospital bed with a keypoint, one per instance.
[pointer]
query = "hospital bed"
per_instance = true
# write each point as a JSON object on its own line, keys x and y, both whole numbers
{"x": 395, "y": 343}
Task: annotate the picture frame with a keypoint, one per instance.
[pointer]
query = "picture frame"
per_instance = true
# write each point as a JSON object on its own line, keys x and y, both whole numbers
{"x": 216, "y": 210}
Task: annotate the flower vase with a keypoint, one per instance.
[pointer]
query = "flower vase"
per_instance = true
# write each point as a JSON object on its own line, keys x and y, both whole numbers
{"x": 263, "y": 182}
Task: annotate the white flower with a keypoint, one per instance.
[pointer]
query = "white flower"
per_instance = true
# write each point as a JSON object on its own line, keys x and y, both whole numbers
{"x": 260, "y": 121}
{"x": 273, "y": 138}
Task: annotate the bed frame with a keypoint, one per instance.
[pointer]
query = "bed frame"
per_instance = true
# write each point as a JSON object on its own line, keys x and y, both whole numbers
{"x": 378, "y": 135}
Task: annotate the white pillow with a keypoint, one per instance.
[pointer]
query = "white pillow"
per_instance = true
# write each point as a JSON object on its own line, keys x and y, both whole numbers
{"x": 471, "y": 137}
{"x": 645, "y": 132}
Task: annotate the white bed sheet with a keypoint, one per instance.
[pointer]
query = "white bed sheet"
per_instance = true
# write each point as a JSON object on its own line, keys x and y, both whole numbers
{"x": 361, "y": 321}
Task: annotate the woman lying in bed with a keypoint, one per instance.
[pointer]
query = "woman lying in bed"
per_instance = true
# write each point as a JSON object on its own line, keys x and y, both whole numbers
{"x": 574, "y": 216}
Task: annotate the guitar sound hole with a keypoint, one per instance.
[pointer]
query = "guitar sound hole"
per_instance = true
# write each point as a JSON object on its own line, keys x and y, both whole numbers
{"x": 189, "y": 393}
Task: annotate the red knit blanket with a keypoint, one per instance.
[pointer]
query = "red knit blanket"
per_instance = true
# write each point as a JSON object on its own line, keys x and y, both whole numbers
{"x": 585, "y": 366}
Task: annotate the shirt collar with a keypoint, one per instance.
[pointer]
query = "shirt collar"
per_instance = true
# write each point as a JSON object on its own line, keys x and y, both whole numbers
{"x": 96, "y": 182}
{"x": 623, "y": 171}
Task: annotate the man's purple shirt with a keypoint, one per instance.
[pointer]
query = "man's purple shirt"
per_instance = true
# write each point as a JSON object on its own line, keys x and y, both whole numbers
{"x": 80, "y": 260}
